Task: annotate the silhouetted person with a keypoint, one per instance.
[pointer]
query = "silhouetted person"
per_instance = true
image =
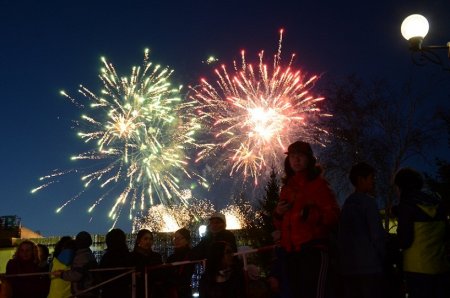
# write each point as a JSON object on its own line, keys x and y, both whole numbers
{"x": 216, "y": 231}
{"x": 44, "y": 265}
{"x": 422, "y": 233}
{"x": 362, "y": 239}
{"x": 143, "y": 258}
{"x": 26, "y": 260}
{"x": 63, "y": 255}
{"x": 43, "y": 254}
{"x": 79, "y": 274}
{"x": 179, "y": 278}
{"x": 277, "y": 277}
{"x": 116, "y": 255}
{"x": 223, "y": 277}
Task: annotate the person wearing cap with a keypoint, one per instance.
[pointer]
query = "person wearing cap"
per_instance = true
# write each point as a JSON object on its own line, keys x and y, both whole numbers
{"x": 306, "y": 214}
{"x": 216, "y": 231}
{"x": 79, "y": 274}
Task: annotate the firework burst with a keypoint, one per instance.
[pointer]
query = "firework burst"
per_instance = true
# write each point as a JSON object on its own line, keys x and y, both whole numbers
{"x": 140, "y": 139}
{"x": 169, "y": 218}
{"x": 238, "y": 216}
{"x": 254, "y": 113}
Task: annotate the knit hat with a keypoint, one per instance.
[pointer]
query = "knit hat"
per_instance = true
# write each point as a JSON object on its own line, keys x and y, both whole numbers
{"x": 83, "y": 239}
{"x": 218, "y": 215}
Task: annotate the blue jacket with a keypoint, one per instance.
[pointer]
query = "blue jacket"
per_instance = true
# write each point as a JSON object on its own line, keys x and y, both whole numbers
{"x": 79, "y": 274}
{"x": 361, "y": 237}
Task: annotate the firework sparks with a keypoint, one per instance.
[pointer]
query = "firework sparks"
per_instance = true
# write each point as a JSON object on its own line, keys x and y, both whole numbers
{"x": 210, "y": 60}
{"x": 235, "y": 220}
{"x": 240, "y": 214}
{"x": 140, "y": 139}
{"x": 162, "y": 218}
{"x": 254, "y": 113}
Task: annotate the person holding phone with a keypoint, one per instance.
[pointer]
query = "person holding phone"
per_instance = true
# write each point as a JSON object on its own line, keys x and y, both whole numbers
{"x": 306, "y": 214}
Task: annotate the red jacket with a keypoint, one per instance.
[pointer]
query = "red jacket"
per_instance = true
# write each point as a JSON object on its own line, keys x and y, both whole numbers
{"x": 313, "y": 214}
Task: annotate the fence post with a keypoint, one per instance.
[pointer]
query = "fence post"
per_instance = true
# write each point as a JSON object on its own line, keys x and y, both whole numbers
{"x": 244, "y": 258}
{"x": 145, "y": 282}
{"x": 133, "y": 284}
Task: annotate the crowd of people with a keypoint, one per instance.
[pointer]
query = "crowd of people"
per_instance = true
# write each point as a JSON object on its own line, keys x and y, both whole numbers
{"x": 322, "y": 250}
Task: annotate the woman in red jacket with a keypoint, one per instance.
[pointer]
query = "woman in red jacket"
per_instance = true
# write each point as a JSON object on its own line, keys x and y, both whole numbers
{"x": 306, "y": 214}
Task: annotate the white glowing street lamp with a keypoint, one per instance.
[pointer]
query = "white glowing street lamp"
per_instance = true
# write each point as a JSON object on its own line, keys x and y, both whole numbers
{"x": 202, "y": 231}
{"x": 414, "y": 28}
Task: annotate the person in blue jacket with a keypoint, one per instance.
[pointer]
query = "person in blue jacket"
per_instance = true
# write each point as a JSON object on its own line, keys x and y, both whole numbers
{"x": 362, "y": 239}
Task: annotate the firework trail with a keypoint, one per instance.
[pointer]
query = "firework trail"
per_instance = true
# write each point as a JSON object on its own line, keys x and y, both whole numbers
{"x": 255, "y": 112}
{"x": 140, "y": 133}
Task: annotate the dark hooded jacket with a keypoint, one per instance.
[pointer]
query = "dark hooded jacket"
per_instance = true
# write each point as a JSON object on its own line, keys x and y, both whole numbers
{"x": 422, "y": 233}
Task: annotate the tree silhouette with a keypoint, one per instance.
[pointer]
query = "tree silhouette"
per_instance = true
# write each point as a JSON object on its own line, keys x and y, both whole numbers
{"x": 267, "y": 206}
{"x": 440, "y": 183}
{"x": 378, "y": 124}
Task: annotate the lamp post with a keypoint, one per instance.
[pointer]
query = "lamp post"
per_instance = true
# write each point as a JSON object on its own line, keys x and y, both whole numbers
{"x": 414, "y": 29}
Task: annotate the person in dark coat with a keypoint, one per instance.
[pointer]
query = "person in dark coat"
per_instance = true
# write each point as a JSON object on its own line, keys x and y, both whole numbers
{"x": 362, "y": 239}
{"x": 80, "y": 274}
{"x": 144, "y": 258}
{"x": 179, "y": 278}
{"x": 216, "y": 231}
{"x": 25, "y": 260}
{"x": 116, "y": 255}
{"x": 423, "y": 233}
{"x": 223, "y": 276}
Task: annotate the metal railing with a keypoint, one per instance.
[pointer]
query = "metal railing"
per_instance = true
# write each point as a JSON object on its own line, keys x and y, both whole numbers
{"x": 132, "y": 270}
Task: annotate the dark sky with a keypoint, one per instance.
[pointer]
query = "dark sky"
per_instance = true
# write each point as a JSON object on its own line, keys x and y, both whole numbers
{"x": 47, "y": 46}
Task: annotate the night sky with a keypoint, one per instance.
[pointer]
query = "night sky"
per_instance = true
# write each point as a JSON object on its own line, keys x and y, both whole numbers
{"x": 47, "y": 46}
